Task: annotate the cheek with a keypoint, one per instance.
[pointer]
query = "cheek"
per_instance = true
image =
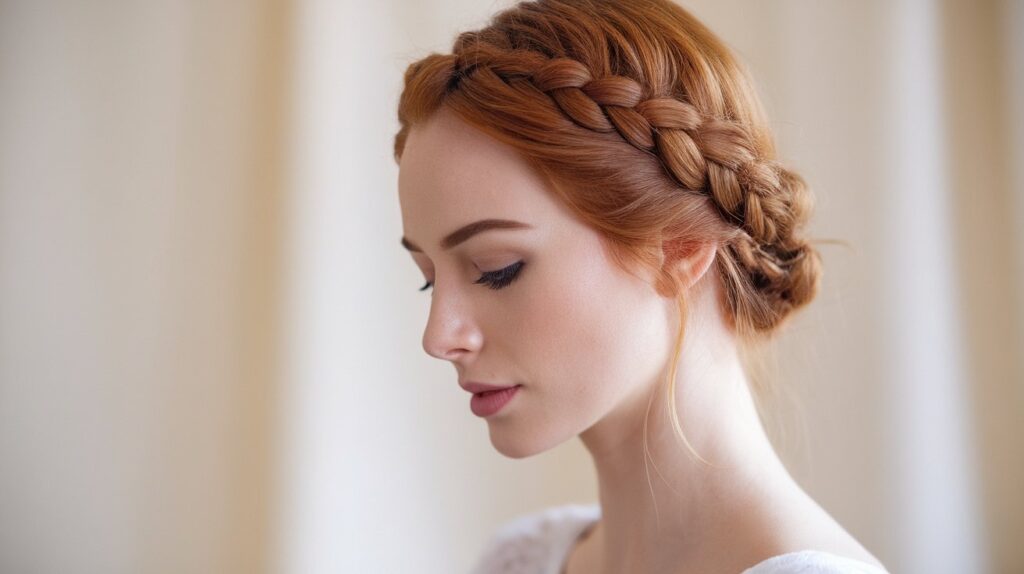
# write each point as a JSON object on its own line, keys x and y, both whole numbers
{"x": 588, "y": 333}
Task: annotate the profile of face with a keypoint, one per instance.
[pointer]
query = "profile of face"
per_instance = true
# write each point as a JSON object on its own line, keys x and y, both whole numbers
{"x": 538, "y": 305}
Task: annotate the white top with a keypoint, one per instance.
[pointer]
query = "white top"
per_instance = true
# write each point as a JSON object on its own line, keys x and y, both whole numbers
{"x": 540, "y": 542}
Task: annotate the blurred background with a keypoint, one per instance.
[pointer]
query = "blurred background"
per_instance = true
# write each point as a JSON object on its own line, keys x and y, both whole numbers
{"x": 210, "y": 352}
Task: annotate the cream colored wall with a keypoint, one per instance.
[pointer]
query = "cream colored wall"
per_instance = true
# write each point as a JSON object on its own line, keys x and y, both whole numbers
{"x": 138, "y": 257}
{"x": 984, "y": 83}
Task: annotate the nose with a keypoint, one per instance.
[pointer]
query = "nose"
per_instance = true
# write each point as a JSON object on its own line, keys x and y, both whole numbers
{"x": 451, "y": 332}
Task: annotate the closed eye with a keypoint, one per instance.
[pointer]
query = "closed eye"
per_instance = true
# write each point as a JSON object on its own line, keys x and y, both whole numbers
{"x": 494, "y": 279}
{"x": 501, "y": 278}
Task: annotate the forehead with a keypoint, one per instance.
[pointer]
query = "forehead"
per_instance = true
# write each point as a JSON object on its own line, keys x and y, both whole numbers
{"x": 451, "y": 174}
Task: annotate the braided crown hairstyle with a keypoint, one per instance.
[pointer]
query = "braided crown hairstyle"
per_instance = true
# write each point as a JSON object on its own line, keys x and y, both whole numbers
{"x": 648, "y": 128}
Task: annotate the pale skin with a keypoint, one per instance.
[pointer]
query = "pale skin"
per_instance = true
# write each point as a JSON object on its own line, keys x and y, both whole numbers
{"x": 590, "y": 345}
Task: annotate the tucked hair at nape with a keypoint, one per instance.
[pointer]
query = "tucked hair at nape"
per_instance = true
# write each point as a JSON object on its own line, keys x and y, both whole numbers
{"x": 648, "y": 128}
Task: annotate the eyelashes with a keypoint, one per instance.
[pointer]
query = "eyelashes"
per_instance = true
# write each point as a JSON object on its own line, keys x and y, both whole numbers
{"x": 493, "y": 279}
{"x": 501, "y": 278}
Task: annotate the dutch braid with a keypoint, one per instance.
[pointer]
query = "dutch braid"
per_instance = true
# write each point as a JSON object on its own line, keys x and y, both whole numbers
{"x": 697, "y": 151}
{"x": 702, "y": 152}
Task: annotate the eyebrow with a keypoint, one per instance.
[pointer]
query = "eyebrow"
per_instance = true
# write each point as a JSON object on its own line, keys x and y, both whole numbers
{"x": 466, "y": 231}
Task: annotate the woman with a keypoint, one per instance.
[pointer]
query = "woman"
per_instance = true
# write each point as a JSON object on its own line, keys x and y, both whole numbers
{"x": 590, "y": 189}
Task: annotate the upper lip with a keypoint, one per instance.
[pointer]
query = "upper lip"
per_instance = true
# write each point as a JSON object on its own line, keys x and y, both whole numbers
{"x": 481, "y": 387}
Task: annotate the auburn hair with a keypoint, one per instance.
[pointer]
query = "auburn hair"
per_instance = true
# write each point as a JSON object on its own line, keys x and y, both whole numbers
{"x": 648, "y": 128}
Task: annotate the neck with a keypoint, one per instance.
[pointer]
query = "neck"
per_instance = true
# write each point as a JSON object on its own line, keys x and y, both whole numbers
{"x": 668, "y": 507}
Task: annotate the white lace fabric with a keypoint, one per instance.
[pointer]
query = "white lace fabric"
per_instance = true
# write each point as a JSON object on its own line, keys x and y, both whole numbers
{"x": 539, "y": 543}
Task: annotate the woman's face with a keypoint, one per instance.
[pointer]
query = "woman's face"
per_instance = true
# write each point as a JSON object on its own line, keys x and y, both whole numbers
{"x": 579, "y": 334}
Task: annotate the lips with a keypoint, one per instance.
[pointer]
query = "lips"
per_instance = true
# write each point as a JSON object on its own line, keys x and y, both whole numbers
{"x": 482, "y": 387}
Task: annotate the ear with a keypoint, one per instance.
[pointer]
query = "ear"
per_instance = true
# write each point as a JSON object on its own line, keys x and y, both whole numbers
{"x": 691, "y": 259}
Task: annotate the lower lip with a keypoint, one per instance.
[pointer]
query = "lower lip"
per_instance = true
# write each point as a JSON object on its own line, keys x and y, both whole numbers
{"x": 489, "y": 403}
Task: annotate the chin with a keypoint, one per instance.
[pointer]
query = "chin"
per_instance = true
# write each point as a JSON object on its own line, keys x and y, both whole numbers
{"x": 514, "y": 453}
{"x": 518, "y": 446}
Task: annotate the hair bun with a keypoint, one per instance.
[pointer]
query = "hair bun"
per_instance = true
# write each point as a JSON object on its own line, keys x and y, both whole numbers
{"x": 777, "y": 279}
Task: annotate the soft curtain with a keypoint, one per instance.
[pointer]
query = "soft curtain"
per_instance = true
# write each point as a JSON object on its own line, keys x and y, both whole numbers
{"x": 210, "y": 350}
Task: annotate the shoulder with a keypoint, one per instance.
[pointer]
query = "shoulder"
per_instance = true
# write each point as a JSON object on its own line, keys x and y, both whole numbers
{"x": 532, "y": 541}
{"x": 813, "y": 562}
